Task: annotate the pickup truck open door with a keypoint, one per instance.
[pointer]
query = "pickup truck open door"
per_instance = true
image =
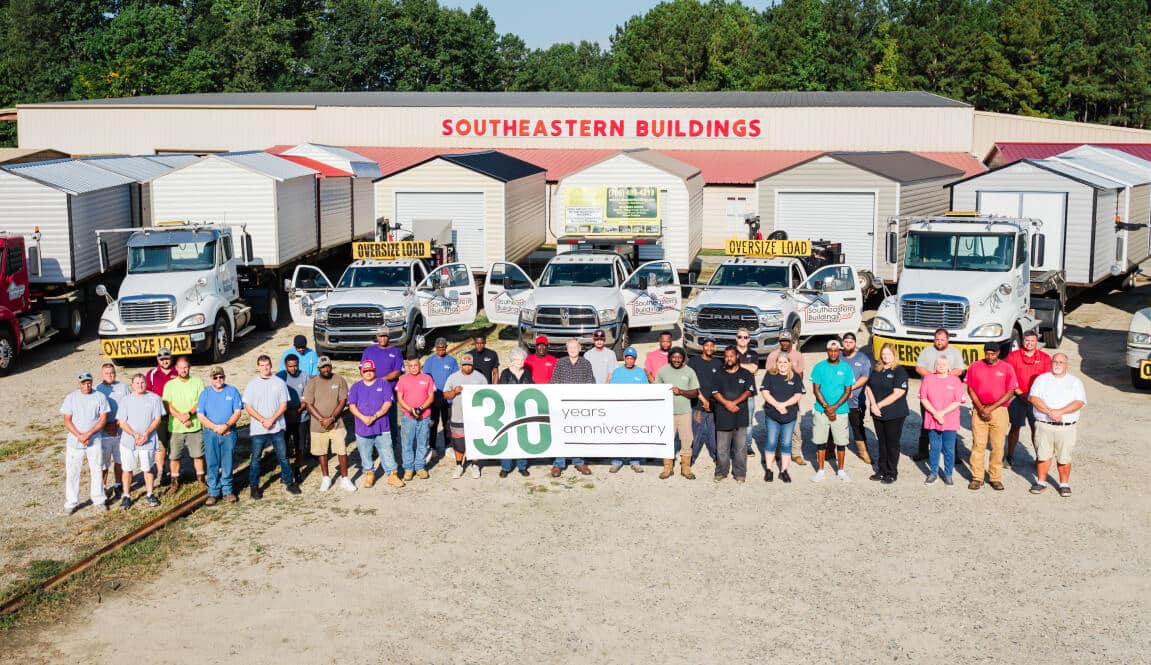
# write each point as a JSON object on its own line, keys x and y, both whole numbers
{"x": 447, "y": 296}
{"x": 507, "y": 290}
{"x": 309, "y": 282}
{"x": 830, "y": 302}
{"x": 652, "y": 295}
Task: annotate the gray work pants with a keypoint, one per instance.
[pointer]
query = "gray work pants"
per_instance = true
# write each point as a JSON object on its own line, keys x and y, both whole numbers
{"x": 731, "y": 449}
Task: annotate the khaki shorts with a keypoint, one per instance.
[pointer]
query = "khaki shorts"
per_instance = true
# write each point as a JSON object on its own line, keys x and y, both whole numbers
{"x": 334, "y": 441}
{"x": 192, "y": 442}
{"x": 821, "y": 426}
{"x": 1054, "y": 441}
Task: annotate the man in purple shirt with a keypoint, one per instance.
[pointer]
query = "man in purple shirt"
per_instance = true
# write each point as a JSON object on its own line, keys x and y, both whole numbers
{"x": 389, "y": 362}
{"x": 370, "y": 400}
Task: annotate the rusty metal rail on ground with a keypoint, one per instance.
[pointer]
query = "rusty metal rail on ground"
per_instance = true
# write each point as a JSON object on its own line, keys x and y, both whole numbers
{"x": 185, "y": 508}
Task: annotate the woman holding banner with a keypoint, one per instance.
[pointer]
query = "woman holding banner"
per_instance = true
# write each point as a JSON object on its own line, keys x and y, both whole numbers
{"x": 515, "y": 374}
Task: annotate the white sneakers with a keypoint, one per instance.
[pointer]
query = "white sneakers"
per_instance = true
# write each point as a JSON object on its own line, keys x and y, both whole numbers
{"x": 842, "y": 475}
{"x": 458, "y": 472}
{"x": 325, "y": 484}
{"x": 347, "y": 485}
{"x": 818, "y": 477}
{"x": 475, "y": 470}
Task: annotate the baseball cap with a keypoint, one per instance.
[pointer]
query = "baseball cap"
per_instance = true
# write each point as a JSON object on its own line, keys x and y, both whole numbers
{"x": 217, "y": 370}
{"x": 299, "y": 342}
{"x": 467, "y": 359}
{"x": 367, "y": 366}
{"x": 991, "y": 346}
{"x": 630, "y": 351}
{"x": 382, "y": 331}
{"x": 833, "y": 344}
{"x": 324, "y": 362}
{"x": 84, "y": 376}
{"x": 440, "y": 341}
{"x": 849, "y": 335}
{"x": 541, "y": 340}
{"x": 706, "y": 340}
{"x": 599, "y": 334}
{"x": 164, "y": 352}
{"x": 785, "y": 336}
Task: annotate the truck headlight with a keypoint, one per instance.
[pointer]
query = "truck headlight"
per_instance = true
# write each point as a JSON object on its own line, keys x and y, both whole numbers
{"x": 691, "y": 316}
{"x": 321, "y": 315}
{"x": 394, "y": 315}
{"x": 771, "y": 320}
{"x": 107, "y": 326}
{"x": 1132, "y": 337}
{"x": 194, "y": 320}
{"x": 607, "y": 315}
{"x": 528, "y": 315}
{"x": 989, "y": 330}
{"x": 880, "y": 324}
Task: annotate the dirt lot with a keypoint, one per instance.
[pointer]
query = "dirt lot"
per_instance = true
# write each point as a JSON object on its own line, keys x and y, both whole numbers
{"x": 622, "y": 568}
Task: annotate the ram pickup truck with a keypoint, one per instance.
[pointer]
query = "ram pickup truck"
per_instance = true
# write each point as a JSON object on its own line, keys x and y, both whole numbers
{"x": 580, "y": 292}
{"x": 399, "y": 296}
{"x": 1139, "y": 349}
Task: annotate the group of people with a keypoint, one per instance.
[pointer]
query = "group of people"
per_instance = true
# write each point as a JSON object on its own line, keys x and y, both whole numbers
{"x": 406, "y": 413}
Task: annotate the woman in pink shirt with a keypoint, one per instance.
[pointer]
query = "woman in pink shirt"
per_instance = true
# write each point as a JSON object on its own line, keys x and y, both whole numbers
{"x": 941, "y": 394}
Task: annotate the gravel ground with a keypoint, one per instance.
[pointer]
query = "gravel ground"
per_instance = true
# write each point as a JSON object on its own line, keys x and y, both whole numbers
{"x": 627, "y": 568}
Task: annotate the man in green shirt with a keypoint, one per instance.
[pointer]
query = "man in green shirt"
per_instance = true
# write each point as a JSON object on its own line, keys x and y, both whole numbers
{"x": 181, "y": 396}
{"x": 684, "y": 388}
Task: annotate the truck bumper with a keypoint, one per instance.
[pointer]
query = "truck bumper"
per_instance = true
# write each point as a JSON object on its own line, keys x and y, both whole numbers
{"x": 353, "y": 340}
{"x": 1136, "y": 354}
{"x": 907, "y": 348}
{"x": 558, "y": 337}
{"x": 763, "y": 342}
{"x": 143, "y": 344}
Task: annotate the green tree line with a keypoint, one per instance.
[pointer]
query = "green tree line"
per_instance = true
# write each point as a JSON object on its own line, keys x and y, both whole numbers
{"x": 1086, "y": 60}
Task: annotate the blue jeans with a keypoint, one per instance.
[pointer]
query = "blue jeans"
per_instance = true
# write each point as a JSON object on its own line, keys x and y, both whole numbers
{"x": 414, "y": 442}
{"x": 703, "y": 432}
{"x": 259, "y": 442}
{"x": 937, "y": 440}
{"x": 778, "y": 437}
{"x": 380, "y": 442}
{"x": 750, "y": 423}
{"x": 630, "y": 461}
{"x": 506, "y": 464}
{"x": 218, "y": 451}
{"x": 561, "y": 462}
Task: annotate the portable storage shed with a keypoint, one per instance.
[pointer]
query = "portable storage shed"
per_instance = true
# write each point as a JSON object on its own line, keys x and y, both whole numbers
{"x": 68, "y": 201}
{"x": 1077, "y": 209}
{"x": 142, "y": 171}
{"x": 360, "y": 174}
{"x": 1134, "y": 213}
{"x": 680, "y": 203}
{"x": 847, "y": 197}
{"x": 493, "y": 202}
{"x": 273, "y": 199}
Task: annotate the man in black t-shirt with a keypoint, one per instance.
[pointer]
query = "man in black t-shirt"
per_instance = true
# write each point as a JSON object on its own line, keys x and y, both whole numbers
{"x": 487, "y": 362}
{"x": 707, "y": 368}
{"x": 749, "y": 360}
{"x": 731, "y": 394}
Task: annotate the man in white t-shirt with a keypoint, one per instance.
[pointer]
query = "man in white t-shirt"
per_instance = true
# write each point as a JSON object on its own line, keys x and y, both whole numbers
{"x": 113, "y": 391}
{"x": 85, "y": 413}
{"x": 602, "y": 359}
{"x": 139, "y": 416}
{"x": 1057, "y": 398}
{"x": 266, "y": 400}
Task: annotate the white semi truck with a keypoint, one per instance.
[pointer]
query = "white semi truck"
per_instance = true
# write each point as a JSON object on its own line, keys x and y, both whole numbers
{"x": 971, "y": 276}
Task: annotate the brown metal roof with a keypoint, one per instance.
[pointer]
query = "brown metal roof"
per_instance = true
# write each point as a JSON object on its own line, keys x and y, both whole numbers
{"x": 899, "y": 165}
{"x": 22, "y": 155}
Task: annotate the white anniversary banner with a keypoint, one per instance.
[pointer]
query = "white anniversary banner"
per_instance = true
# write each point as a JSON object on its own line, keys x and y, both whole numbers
{"x": 509, "y": 422}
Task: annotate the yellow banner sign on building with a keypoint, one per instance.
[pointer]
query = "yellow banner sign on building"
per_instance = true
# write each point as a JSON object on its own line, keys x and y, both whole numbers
{"x": 768, "y": 248}
{"x": 612, "y": 211}
{"x": 397, "y": 249}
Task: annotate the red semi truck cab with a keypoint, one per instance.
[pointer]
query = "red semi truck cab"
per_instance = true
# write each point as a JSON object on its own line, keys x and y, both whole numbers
{"x": 15, "y": 297}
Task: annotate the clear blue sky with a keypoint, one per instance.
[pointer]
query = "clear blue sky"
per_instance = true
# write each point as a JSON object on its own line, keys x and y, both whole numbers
{"x": 541, "y": 23}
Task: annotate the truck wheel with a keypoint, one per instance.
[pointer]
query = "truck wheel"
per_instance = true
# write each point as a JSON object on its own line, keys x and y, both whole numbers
{"x": 1053, "y": 336}
{"x": 1015, "y": 343}
{"x": 8, "y": 353}
{"x": 221, "y": 340}
{"x": 1138, "y": 383}
{"x": 795, "y": 336}
{"x": 411, "y": 349}
{"x": 622, "y": 342}
{"x": 271, "y": 317}
{"x": 75, "y": 324}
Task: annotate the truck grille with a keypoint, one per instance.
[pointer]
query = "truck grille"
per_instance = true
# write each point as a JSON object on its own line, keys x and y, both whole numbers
{"x": 933, "y": 314}
{"x": 147, "y": 312}
{"x": 727, "y": 318}
{"x": 355, "y": 316}
{"x": 566, "y": 316}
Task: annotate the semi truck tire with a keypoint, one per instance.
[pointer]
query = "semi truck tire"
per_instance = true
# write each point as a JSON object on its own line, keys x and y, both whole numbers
{"x": 1053, "y": 336}
{"x": 411, "y": 349}
{"x": 221, "y": 340}
{"x": 7, "y": 352}
{"x": 622, "y": 342}
{"x": 271, "y": 316}
{"x": 795, "y": 330}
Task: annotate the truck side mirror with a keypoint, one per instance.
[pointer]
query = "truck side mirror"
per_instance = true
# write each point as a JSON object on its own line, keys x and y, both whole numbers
{"x": 507, "y": 283}
{"x": 693, "y": 278}
{"x": 1038, "y": 247}
{"x": 287, "y": 285}
{"x": 642, "y": 281}
{"x": 246, "y": 248}
{"x": 101, "y": 248}
{"x": 892, "y": 247}
{"x": 36, "y": 263}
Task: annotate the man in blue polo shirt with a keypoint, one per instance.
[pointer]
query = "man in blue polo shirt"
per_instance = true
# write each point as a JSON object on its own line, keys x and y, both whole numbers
{"x": 440, "y": 366}
{"x": 219, "y": 408}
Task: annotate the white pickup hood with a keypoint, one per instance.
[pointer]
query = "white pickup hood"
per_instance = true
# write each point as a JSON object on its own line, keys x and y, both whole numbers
{"x": 569, "y": 296}
{"x": 383, "y": 297}
{"x": 761, "y": 299}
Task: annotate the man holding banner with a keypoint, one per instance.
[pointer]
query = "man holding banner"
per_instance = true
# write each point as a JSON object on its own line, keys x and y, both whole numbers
{"x": 628, "y": 374}
{"x": 571, "y": 370}
{"x": 684, "y": 388}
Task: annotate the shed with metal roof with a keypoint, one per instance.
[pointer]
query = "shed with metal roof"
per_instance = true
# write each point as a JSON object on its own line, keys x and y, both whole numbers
{"x": 848, "y": 197}
{"x": 350, "y": 195}
{"x": 67, "y": 201}
{"x": 273, "y": 199}
{"x": 493, "y": 202}
{"x": 142, "y": 170}
{"x": 1077, "y": 208}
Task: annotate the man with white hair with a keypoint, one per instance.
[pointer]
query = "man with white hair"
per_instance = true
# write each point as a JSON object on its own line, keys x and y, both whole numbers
{"x": 1057, "y": 398}
{"x": 570, "y": 370}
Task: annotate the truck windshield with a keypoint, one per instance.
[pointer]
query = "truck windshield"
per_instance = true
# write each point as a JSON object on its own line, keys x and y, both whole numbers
{"x": 172, "y": 258}
{"x": 753, "y": 276}
{"x": 375, "y": 277}
{"x": 960, "y": 251}
{"x": 577, "y": 274}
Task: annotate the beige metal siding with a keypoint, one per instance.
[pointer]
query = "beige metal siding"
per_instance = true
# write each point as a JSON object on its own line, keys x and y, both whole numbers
{"x": 526, "y": 201}
{"x": 335, "y": 211}
{"x": 1106, "y": 233}
{"x": 363, "y": 208}
{"x": 992, "y": 127}
{"x": 102, "y": 209}
{"x": 695, "y": 216}
{"x": 24, "y": 205}
{"x": 930, "y": 197}
{"x": 724, "y": 208}
{"x": 1139, "y": 213}
{"x": 296, "y": 211}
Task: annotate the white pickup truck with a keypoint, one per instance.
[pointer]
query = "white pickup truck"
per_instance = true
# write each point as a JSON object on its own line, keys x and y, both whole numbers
{"x": 580, "y": 292}
{"x": 1139, "y": 349}
{"x": 769, "y": 296}
{"x": 400, "y": 296}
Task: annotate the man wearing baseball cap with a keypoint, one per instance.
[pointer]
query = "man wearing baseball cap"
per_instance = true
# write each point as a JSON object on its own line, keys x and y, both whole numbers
{"x": 628, "y": 373}
{"x": 602, "y": 359}
{"x": 370, "y": 399}
{"x": 308, "y": 357}
{"x": 440, "y": 366}
{"x": 325, "y": 397}
{"x": 389, "y": 364}
{"x": 861, "y": 368}
{"x": 466, "y": 376}
{"x": 155, "y": 380}
{"x": 541, "y": 363}
{"x": 831, "y": 381}
{"x": 85, "y": 411}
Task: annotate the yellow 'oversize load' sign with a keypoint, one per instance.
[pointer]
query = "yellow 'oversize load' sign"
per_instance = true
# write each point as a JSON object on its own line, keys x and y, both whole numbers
{"x": 136, "y": 347}
{"x": 1145, "y": 369}
{"x": 392, "y": 249}
{"x": 907, "y": 350}
{"x": 768, "y": 248}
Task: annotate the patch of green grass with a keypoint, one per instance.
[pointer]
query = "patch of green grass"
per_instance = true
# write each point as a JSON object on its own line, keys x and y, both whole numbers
{"x": 42, "y": 569}
{"x": 13, "y": 449}
{"x": 480, "y": 323}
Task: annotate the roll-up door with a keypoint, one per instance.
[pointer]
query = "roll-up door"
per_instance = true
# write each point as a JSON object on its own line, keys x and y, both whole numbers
{"x": 464, "y": 209}
{"x": 844, "y": 217}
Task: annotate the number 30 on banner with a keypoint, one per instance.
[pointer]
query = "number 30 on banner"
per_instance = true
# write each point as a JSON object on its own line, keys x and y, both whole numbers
{"x": 521, "y": 426}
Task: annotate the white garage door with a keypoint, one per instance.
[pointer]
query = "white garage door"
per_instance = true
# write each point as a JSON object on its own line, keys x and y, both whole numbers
{"x": 464, "y": 209}
{"x": 845, "y": 217}
{"x": 1050, "y": 207}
